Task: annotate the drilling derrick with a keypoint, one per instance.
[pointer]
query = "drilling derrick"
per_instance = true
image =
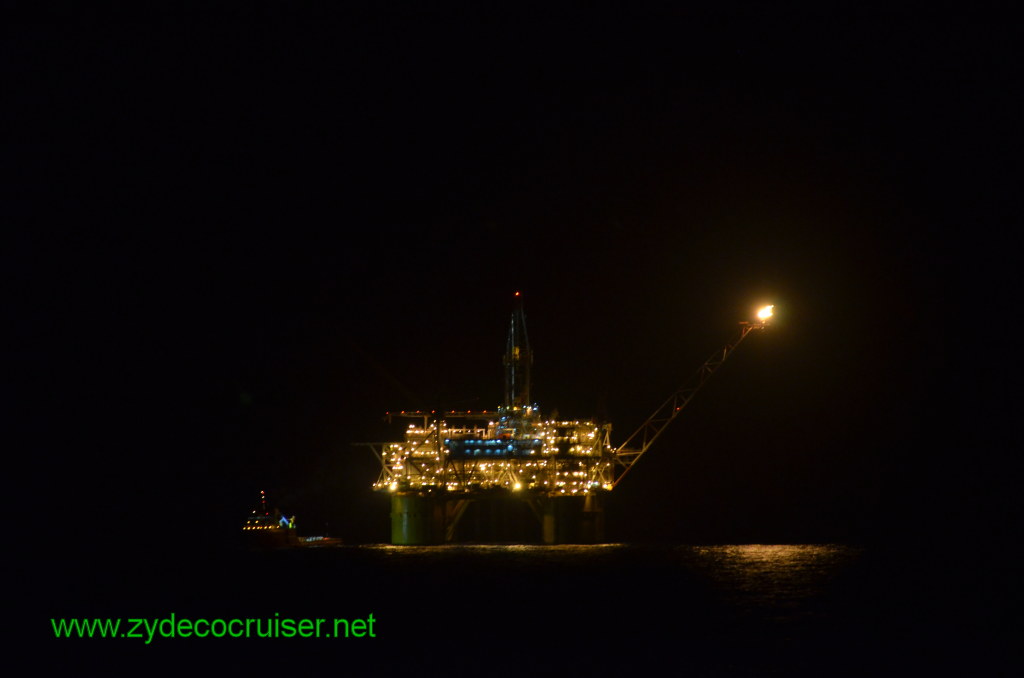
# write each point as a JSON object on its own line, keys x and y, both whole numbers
{"x": 518, "y": 360}
{"x": 451, "y": 461}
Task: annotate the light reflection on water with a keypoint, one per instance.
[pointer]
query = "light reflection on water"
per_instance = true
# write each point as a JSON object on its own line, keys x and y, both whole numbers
{"x": 767, "y": 582}
{"x": 777, "y": 579}
{"x": 452, "y": 549}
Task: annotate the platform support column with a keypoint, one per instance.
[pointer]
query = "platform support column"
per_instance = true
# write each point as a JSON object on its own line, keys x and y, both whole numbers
{"x": 560, "y": 521}
{"x": 592, "y": 528}
{"x": 416, "y": 520}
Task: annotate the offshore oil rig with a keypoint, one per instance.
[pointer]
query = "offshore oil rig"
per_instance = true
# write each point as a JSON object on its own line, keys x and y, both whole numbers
{"x": 559, "y": 471}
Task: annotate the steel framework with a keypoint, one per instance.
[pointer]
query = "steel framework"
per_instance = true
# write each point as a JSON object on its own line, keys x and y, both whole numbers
{"x": 450, "y": 459}
{"x": 630, "y": 451}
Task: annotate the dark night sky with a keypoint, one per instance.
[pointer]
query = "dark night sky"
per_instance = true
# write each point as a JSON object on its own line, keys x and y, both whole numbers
{"x": 235, "y": 248}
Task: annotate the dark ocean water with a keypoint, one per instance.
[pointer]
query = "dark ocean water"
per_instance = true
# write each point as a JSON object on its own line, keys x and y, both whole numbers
{"x": 515, "y": 610}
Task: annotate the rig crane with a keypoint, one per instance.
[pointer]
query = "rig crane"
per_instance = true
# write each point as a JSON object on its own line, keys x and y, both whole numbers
{"x": 630, "y": 451}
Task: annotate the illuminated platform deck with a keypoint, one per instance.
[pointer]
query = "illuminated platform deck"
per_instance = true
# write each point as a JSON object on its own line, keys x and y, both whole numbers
{"x": 511, "y": 449}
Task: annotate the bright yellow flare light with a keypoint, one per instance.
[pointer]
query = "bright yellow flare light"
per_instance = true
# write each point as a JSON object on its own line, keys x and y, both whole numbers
{"x": 765, "y": 313}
